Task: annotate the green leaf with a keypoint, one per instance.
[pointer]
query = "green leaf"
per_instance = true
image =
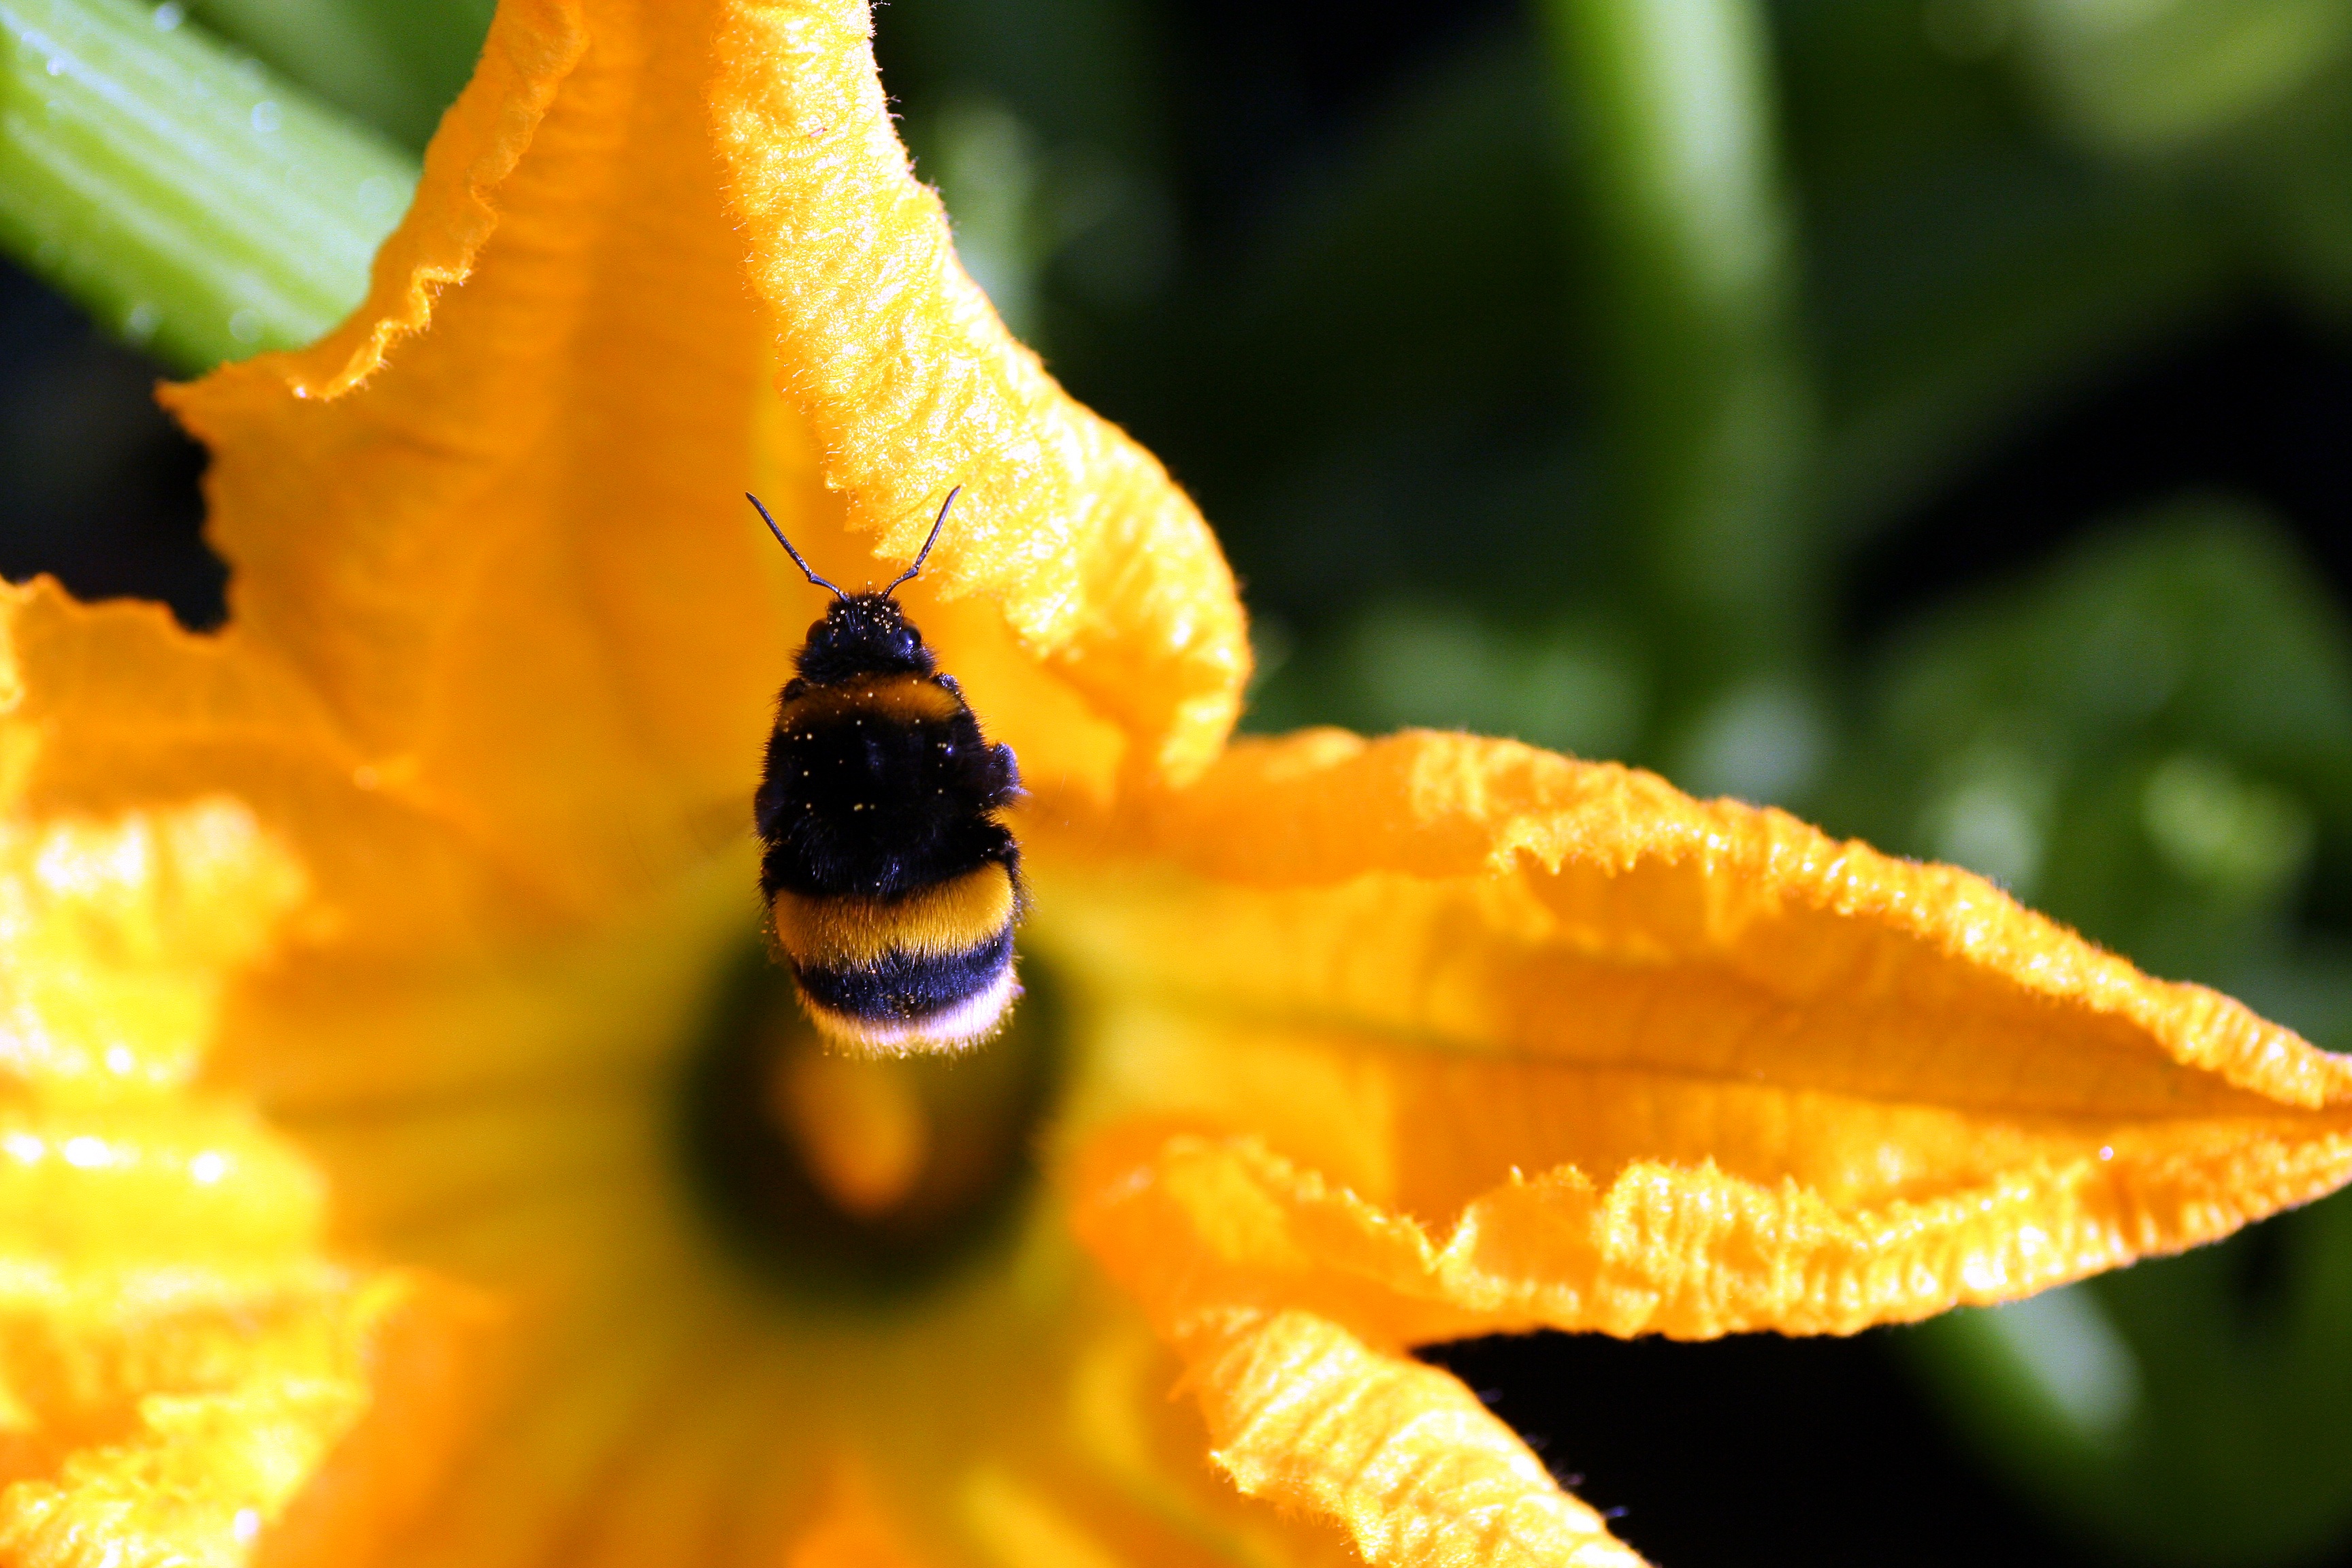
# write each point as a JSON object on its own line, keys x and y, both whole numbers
{"x": 2161, "y": 77}
{"x": 192, "y": 202}
{"x": 1574, "y": 685}
{"x": 2152, "y": 740}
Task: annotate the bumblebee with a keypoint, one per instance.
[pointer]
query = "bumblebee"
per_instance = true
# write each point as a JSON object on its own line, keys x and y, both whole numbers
{"x": 891, "y": 885}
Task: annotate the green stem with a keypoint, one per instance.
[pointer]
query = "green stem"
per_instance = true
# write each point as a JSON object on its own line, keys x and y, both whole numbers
{"x": 394, "y": 64}
{"x": 193, "y": 202}
{"x": 1707, "y": 413}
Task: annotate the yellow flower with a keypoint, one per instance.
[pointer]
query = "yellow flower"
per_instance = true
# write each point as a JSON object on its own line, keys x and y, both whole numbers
{"x": 407, "y": 1157}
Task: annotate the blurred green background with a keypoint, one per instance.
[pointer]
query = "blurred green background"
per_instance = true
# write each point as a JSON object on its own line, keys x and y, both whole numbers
{"x": 1928, "y": 415}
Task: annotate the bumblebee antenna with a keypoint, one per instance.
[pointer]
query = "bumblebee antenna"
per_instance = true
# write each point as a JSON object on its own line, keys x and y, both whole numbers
{"x": 796, "y": 554}
{"x": 924, "y": 554}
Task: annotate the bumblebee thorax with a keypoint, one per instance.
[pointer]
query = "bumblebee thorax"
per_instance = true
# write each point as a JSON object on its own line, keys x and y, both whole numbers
{"x": 862, "y": 635}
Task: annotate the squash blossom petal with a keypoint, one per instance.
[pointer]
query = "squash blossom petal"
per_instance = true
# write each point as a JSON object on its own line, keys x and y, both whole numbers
{"x": 363, "y": 959}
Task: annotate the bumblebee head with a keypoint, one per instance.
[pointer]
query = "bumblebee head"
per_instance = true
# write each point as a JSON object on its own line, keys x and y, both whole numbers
{"x": 863, "y": 634}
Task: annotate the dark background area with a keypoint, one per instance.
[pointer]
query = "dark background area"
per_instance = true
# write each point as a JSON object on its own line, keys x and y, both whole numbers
{"x": 2259, "y": 404}
{"x": 1757, "y": 1449}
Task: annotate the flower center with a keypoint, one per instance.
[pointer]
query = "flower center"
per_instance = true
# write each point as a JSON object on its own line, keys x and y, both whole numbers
{"x": 845, "y": 1177}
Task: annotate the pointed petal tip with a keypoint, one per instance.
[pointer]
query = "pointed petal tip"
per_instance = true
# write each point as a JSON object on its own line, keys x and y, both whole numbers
{"x": 1608, "y": 1057}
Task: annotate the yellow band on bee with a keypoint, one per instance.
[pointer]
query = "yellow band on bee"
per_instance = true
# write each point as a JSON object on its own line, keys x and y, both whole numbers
{"x": 900, "y": 699}
{"x": 955, "y": 917}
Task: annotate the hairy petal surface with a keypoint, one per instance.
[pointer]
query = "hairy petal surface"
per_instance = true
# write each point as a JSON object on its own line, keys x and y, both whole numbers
{"x": 1441, "y": 1036}
{"x": 1415, "y": 1468}
{"x": 177, "y": 1355}
{"x": 493, "y": 528}
{"x": 484, "y": 727}
{"x": 1101, "y": 565}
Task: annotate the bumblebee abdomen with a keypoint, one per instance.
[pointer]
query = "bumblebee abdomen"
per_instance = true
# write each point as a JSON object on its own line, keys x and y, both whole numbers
{"x": 945, "y": 919}
{"x": 934, "y": 965}
{"x": 892, "y": 888}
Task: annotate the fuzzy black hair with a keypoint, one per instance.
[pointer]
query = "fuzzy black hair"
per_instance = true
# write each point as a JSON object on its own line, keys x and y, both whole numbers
{"x": 863, "y": 634}
{"x": 864, "y": 805}
{"x": 905, "y": 985}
